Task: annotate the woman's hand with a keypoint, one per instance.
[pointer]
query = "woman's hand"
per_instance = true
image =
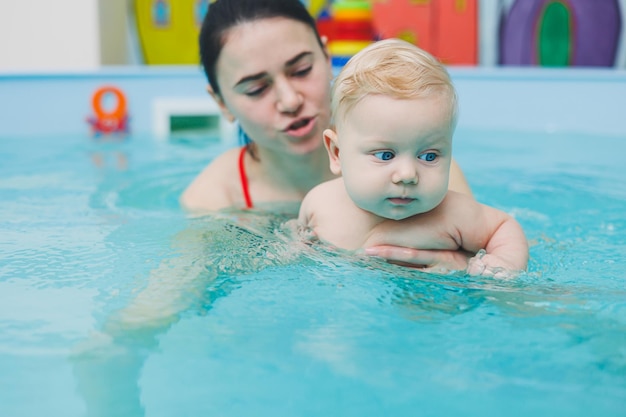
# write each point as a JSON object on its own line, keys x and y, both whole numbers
{"x": 441, "y": 261}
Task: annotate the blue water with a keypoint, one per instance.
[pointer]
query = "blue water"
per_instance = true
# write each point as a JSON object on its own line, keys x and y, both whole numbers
{"x": 114, "y": 302}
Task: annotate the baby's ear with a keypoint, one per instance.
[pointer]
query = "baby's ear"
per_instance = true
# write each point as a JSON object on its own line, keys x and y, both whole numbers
{"x": 218, "y": 99}
{"x": 332, "y": 146}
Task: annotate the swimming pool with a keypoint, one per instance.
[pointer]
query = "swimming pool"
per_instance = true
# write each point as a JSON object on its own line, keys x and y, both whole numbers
{"x": 226, "y": 316}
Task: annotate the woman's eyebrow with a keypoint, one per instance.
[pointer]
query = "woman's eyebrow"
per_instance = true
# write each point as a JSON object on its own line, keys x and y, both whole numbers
{"x": 249, "y": 78}
{"x": 298, "y": 58}
{"x": 260, "y": 75}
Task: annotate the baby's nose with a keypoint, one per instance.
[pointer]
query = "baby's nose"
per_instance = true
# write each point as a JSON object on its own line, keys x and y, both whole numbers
{"x": 406, "y": 173}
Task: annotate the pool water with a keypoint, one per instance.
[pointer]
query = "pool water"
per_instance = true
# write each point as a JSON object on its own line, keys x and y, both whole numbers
{"x": 114, "y": 302}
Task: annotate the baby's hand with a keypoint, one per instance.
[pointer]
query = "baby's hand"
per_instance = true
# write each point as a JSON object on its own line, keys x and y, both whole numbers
{"x": 488, "y": 265}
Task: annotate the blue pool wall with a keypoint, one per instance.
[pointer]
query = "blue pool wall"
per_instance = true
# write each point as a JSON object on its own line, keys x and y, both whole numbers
{"x": 526, "y": 99}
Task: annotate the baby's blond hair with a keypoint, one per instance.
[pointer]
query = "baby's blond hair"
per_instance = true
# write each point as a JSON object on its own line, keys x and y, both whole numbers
{"x": 394, "y": 68}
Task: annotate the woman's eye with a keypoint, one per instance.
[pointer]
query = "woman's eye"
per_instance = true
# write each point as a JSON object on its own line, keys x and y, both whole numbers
{"x": 428, "y": 156}
{"x": 303, "y": 72}
{"x": 256, "y": 91}
{"x": 384, "y": 155}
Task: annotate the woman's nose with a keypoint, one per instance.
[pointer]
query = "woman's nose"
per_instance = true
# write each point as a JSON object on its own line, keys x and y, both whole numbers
{"x": 405, "y": 173}
{"x": 288, "y": 99}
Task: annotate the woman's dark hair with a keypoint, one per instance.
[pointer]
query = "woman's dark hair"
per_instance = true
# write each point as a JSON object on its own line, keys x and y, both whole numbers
{"x": 224, "y": 14}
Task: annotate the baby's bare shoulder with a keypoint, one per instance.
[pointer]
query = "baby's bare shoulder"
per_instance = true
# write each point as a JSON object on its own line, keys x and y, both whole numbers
{"x": 323, "y": 197}
{"x": 458, "y": 202}
{"x": 330, "y": 185}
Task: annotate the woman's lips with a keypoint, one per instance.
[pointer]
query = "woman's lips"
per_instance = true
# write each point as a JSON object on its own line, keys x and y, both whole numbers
{"x": 301, "y": 127}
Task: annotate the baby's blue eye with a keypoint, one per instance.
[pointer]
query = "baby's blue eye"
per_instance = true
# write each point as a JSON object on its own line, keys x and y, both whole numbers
{"x": 428, "y": 156}
{"x": 384, "y": 155}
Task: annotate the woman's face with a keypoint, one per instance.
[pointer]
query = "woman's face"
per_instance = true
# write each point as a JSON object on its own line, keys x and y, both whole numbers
{"x": 274, "y": 80}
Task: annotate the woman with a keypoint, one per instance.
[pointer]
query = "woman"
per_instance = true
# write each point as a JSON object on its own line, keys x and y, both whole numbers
{"x": 269, "y": 70}
{"x": 280, "y": 96}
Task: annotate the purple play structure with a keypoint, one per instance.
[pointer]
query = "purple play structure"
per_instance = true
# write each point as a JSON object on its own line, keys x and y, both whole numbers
{"x": 586, "y": 32}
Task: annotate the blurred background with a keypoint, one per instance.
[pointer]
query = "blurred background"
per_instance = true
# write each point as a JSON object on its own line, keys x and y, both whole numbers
{"x": 44, "y": 35}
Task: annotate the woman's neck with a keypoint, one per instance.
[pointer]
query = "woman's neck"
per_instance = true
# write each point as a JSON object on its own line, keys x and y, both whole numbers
{"x": 295, "y": 173}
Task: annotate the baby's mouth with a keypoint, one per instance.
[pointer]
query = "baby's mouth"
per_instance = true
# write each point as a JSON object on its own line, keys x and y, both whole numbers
{"x": 401, "y": 200}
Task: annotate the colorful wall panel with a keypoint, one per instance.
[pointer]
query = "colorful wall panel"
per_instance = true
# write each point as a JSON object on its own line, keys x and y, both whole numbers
{"x": 458, "y": 32}
{"x": 446, "y": 28}
{"x": 561, "y": 33}
{"x": 169, "y": 29}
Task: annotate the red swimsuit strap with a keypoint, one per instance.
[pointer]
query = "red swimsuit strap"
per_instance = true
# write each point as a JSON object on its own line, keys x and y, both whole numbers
{"x": 244, "y": 179}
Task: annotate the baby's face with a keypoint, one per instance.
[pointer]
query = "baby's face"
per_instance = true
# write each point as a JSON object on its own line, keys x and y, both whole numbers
{"x": 395, "y": 154}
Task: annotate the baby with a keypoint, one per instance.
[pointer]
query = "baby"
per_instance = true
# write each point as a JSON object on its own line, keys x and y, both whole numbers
{"x": 394, "y": 109}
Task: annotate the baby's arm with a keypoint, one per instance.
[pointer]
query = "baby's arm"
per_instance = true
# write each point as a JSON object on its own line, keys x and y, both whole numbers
{"x": 506, "y": 251}
{"x": 458, "y": 182}
{"x": 305, "y": 217}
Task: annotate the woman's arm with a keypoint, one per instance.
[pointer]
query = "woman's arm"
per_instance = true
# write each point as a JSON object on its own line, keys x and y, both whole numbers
{"x": 458, "y": 182}
{"x": 107, "y": 366}
{"x": 442, "y": 261}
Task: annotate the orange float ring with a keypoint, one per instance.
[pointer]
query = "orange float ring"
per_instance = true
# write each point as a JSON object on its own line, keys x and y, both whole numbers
{"x": 118, "y": 112}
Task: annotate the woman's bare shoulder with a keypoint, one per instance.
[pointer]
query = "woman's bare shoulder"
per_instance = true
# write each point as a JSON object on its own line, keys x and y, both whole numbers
{"x": 211, "y": 189}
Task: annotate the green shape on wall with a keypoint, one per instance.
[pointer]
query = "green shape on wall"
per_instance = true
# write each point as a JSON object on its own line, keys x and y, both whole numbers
{"x": 555, "y": 36}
